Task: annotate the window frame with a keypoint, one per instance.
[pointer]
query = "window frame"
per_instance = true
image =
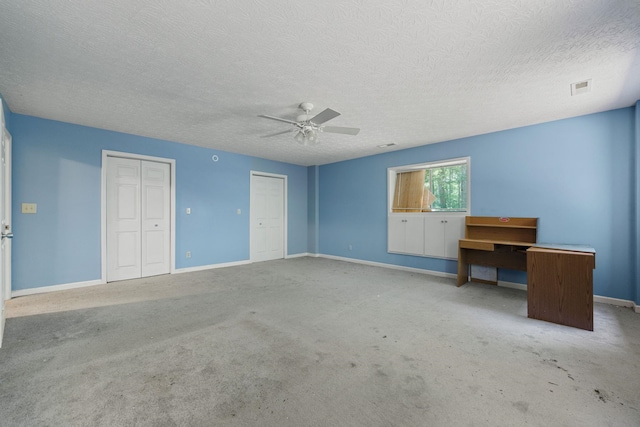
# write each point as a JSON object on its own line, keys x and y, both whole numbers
{"x": 392, "y": 174}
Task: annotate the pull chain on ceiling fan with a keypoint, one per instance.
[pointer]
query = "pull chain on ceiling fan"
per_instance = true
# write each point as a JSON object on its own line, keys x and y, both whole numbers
{"x": 307, "y": 129}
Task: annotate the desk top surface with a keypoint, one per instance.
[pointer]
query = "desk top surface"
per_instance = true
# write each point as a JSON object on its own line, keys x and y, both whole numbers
{"x": 565, "y": 247}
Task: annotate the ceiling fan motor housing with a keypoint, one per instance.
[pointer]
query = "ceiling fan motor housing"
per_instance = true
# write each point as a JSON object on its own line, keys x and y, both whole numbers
{"x": 306, "y": 107}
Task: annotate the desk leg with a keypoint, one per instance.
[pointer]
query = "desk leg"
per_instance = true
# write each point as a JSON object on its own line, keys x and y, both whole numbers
{"x": 463, "y": 267}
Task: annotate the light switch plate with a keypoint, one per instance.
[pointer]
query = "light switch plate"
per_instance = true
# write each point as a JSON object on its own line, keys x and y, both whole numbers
{"x": 29, "y": 208}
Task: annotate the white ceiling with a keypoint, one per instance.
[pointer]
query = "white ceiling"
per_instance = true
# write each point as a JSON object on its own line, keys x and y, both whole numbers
{"x": 409, "y": 72}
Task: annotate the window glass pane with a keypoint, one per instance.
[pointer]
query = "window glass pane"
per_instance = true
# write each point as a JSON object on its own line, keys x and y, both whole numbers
{"x": 441, "y": 186}
{"x": 449, "y": 185}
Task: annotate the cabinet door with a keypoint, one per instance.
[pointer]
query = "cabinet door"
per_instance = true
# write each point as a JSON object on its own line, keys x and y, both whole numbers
{"x": 414, "y": 236}
{"x": 454, "y": 231}
{"x": 396, "y": 227}
{"x": 434, "y": 236}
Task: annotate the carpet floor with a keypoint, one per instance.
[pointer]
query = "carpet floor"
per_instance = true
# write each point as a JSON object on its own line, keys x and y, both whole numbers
{"x": 311, "y": 342}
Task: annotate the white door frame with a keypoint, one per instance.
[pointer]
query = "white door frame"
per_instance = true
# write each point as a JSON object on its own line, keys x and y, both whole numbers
{"x": 8, "y": 201}
{"x": 103, "y": 210}
{"x": 286, "y": 205}
{"x": 5, "y": 268}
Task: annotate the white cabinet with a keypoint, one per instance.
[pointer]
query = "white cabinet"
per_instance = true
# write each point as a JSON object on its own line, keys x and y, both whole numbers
{"x": 441, "y": 235}
{"x": 406, "y": 235}
{"x": 426, "y": 235}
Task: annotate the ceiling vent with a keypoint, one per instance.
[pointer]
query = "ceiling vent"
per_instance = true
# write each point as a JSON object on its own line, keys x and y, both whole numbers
{"x": 579, "y": 88}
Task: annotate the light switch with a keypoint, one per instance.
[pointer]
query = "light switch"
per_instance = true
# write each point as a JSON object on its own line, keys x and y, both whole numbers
{"x": 29, "y": 208}
{"x": 188, "y": 211}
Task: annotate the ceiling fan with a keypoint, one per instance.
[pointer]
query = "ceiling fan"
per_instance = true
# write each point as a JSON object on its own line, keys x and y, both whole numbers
{"x": 307, "y": 128}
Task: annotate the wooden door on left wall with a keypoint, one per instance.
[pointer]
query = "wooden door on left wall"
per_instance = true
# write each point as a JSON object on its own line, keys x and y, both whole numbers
{"x": 138, "y": 218}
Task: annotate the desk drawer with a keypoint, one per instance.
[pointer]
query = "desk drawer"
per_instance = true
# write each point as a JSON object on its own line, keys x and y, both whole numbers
{"x": 481, "y": 245}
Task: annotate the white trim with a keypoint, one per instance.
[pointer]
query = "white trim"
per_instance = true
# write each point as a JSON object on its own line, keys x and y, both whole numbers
{"x": 103, "y": 205}
{"x": 212, "y": 266}
{"x": 512, "y": 285}
{"x": 300, "y": 255}
{"x": 54, "y": 288}
{"x": 615, "y": 301}
{"x": 253, "y": 173}
{"x": 8, "y": 205}
{"x": 390, "y": 266}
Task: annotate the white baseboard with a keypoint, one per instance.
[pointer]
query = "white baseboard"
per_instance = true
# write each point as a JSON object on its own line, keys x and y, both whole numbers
{"x": 53, "y": 288}
{"x": 390, "y": 266}
{"x": 616, "y": 301}
{"x": 512, "y": 285}
{"x": 63, "y": 287}
{"x": 301, "y": 255}
{"x": 211, "y": 266}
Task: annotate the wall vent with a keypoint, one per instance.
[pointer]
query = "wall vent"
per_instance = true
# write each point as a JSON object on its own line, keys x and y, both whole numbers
{"x": 578, "y": 88}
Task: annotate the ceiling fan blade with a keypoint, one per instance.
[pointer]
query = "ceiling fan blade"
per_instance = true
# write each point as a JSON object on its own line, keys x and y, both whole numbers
{"x": 278, "y": 119}
{"x": 277, "y": 133}
{"x": 340, "y": 129}
{"x": 324, "y": 116}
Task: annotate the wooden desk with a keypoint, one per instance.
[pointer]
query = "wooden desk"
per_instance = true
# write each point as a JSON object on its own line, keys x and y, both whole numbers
{"x": 495, "y": 242}
{"x": 560, "y": 284}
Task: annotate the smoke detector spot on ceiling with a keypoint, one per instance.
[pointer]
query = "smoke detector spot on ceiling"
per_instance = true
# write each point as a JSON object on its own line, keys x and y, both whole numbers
{"x": 579, "y": 88}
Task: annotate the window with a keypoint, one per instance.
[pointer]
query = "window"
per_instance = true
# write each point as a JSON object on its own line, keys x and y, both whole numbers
{"x": 430, "y": 187}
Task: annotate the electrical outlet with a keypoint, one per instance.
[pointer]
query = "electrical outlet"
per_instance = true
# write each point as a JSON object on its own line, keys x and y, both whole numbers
{"x": 188, "y": 254}
{"x": 29, "y": 208}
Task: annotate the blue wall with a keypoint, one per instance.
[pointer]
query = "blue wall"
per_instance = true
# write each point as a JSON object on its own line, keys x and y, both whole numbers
{"x": 58, "y": 166}
{"x": 575, "y": 175}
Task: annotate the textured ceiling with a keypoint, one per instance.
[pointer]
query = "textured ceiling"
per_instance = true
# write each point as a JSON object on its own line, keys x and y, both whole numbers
{"x": 409, "y": 72}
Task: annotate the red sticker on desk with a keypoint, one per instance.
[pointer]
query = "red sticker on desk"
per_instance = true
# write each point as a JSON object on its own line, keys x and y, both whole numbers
{"x": 504, "y": 219}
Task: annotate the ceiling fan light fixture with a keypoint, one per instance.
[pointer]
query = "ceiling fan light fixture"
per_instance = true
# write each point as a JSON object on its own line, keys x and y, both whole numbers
{"x": 306, "y": 137}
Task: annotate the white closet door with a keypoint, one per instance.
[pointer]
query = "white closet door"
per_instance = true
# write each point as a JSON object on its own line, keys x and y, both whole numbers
{"x": 123, "y": 219}
{"x": 138, "y": 218}
{"x": 267, "y": 218}
{"x": 156, "y": 218}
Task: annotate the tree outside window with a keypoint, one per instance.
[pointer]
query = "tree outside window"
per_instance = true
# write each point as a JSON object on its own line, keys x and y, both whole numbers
{"x": 449, "y": 186}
